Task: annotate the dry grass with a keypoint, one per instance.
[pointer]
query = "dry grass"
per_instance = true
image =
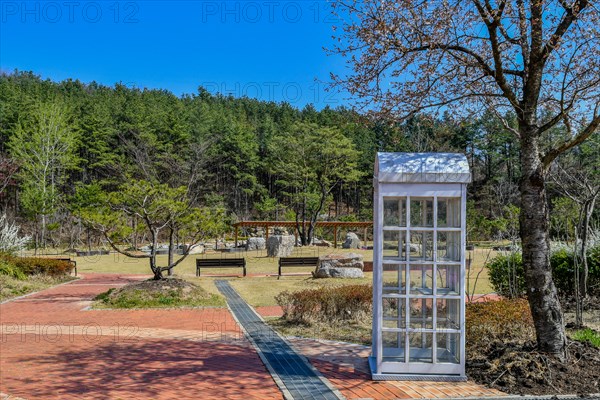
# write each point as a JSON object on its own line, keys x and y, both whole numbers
{"x": 11, "y": 287}
{"x": 260, "y": 291}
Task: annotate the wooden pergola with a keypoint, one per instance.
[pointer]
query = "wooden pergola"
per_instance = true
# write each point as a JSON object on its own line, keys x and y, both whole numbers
{"x": 336, "y": 225}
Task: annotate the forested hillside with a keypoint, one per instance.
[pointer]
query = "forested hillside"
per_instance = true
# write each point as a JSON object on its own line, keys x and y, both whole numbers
{"x": 259, "y": 160}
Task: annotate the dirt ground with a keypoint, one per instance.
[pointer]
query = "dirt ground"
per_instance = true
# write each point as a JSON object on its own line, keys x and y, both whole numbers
{"x": 517, "y": 368}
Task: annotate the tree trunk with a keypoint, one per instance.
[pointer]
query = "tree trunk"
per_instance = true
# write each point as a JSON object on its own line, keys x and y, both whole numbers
{"x": 155, "y": 269}
{"x": 171, "y": 249}
{"x": 542, "y": 295}
{"x": 588, "y": 210}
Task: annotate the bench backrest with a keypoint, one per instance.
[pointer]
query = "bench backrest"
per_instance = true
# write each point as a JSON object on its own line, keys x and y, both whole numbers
{"x": 221, "y": 262}
{"x": 298, "y": 261}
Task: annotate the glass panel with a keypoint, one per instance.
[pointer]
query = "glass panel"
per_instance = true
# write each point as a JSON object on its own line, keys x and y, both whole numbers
{"x": 394, "y": 279}
{"x": 393, "y": 344}
{"x": 394, "y": 211}
{"x": 448, "y": 246}
{"x": 421, "y": 246}
{"x": 421, "y": 212}
{"x": 421, "y": 347}
{"x": 394, "y": 244}
{"x": 448, "y": 348}
{"x": 394, "y": 323}
{"x": 448, "y": 279}
{"x": 448, "y": 212}
{"x": 421, "y": 279}
{"x": 392, "y": 307}
{"x": 393, "y": 313}
{"x": 448, "y": 314}
{"x": 421, "y": 314}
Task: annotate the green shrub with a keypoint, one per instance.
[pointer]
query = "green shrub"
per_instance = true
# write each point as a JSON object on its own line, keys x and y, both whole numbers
{"x": 8, "y": 269}
{"x": 326, "y": 304}
{"x": 507, "y": 276}
{"x": 35, "y": 266}
{"x": 563, "y": 270}
{"x": 505, "y": 269}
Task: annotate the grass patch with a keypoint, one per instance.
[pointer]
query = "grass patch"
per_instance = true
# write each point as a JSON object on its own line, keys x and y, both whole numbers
{"x": 11, "y": 287}
{"x": 587, "y": 335}
{"x": 166, "y": 293}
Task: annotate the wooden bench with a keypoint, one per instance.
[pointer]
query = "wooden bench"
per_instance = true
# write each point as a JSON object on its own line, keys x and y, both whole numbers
{"x": 297, "y": 262}
{"x": 220, "y": 263}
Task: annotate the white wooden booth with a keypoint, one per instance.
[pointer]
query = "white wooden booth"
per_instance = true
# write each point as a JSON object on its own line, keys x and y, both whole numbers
{"x": 419, "y": 266}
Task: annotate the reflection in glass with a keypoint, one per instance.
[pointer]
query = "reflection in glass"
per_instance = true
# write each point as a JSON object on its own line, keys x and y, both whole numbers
{"x": 394, "y": 244}
{"x": 394, "y": 279}
{"x": 448, "y": 348}
{"x": 448, "y": 246}
{"x": 394, "y": 211}
{"x": 421, "y": 279}
{"x": 392, "y": 307}
{"x": 421, "y": 347}
{"x": 393, "y": 344}
{"x": 421, "y": 246}
{"x": 421, "y": 212}
{"x": 448, "y": 212}
{"x": 421, "y": 313}
{"x": 448, "y": 314}
{"x": 448, "y": 279}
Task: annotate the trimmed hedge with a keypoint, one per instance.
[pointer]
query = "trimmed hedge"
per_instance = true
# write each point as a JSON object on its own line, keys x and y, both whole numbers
{"x": 350, "y": 302}
{"x": 34, "y": 266}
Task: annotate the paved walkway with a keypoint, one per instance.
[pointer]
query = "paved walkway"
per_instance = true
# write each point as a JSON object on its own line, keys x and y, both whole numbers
{"x": 52, "y": 346}
{"x": 292, "y": 371}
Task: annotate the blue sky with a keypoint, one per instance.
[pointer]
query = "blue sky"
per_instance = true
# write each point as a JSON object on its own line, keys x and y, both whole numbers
{"x": 272, "y": 50}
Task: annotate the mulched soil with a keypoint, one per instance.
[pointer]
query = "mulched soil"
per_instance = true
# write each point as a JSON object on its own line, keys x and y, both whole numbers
{"x": 518, "y": 368}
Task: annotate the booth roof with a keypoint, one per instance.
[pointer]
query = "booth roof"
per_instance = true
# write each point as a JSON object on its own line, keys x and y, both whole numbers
{"x": 422, "y": 168}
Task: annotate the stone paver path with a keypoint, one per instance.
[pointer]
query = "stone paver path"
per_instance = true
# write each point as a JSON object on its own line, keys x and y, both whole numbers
{"x": 295, "y": 374}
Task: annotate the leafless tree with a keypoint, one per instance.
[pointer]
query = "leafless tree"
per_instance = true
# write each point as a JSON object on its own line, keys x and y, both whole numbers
{"x": 537, "y": 59}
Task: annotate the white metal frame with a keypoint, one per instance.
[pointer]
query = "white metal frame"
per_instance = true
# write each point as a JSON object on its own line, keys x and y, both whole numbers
{"x": 382, "y": 369}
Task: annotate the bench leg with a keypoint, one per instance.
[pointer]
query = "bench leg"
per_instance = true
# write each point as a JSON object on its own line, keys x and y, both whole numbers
{"x": 197, "y": 271}
{"x": 244, "y": 271}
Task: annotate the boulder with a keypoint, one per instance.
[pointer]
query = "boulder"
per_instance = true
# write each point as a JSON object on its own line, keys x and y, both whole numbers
{"x": 349, "y": 265}
{"x": 197, "y": 249}
{"x": 280, "y": 245}
{"x": 256, "y": 243}
{"x": 352, "y": 241}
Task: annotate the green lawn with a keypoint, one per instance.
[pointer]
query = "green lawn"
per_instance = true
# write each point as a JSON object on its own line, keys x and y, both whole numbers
{"x": 261, "y": 291}
{"x": 257, "y": 262}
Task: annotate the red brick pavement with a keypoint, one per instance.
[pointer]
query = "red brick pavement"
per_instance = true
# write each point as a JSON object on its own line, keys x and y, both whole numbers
{"x": 52, "y": 348}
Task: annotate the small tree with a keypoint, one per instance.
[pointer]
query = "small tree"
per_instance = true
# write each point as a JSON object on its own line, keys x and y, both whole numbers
{"x": 157, "y": 209}
{"x": 45, "y": 147}
{"x": 311, "y": 162}
{"x": 10, "y": 241}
